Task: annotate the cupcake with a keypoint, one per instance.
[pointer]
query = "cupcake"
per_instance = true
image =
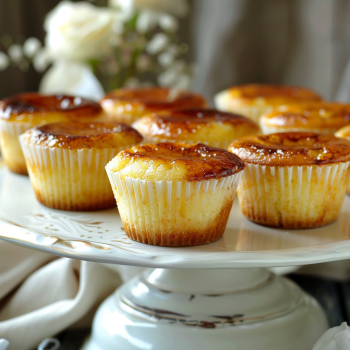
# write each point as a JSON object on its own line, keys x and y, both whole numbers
{"x": 128, "y": 105}
{"x": 319, "y": 117}
{"x": 293, "y": 180}
{"x": 253, "y": 100}
{"x": 195, "y": 125}
{"x": 66, "y": 162}
{"x": 174, "y": 194}
{"x": 345, "y": 133}
{"x": 22, "y": 112}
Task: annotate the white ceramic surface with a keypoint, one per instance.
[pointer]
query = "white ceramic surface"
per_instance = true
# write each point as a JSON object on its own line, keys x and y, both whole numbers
{"x": 99, "y": 236}
{"x": 232, "y": 309}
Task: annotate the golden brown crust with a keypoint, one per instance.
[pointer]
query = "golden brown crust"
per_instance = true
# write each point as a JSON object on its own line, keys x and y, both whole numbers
{"x": 271, "y": 93}
{"x": 76, "y": 135}
{"x": 183, "y": 124}
{"x": 315, "y": 115}
{"x": 293, "y": 148}
{"x": 147, "y": 100}
{"x": 30, "y": 105}
{"x": 88, "y": 205}
{"x": 199, "y": 162}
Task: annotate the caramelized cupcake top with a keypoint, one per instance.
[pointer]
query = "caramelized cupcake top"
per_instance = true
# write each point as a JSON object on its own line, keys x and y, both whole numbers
{"x": 344, "y": 132}
{"x": 77, "y": 135}
{"x": 315, "y": 115}
{"x": 271, "y": 94}
{"x": 175, "y": 162}
{"x": 194, "y": 124}
{"x": 142, "y": 101}
{"x": 35, "y": 107}
{"x": 293, "y": 148}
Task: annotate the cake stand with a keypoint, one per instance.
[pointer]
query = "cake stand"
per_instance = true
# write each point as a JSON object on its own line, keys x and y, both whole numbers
{"x": 215, "y": 296}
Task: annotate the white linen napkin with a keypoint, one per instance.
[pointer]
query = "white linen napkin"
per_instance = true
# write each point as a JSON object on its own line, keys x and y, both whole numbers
{"x": 337, "y": 338}
{"x": 41, "y": 295}
{"x": 4, "y": 344}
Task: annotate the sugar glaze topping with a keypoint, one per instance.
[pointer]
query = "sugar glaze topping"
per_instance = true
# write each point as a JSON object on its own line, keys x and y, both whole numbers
{"x": 293, "y": 148}
{"x": 200, "y": 162}
{"x": 35, "y": 104}
{"x": 83, "y": 135}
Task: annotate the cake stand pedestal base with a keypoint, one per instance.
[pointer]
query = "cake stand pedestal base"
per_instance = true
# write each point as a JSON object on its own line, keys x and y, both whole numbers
{"x": 236, "y": 309}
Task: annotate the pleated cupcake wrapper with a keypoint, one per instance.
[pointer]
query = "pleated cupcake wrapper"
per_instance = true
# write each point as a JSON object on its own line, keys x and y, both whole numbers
{"x": 114, "y": 115}
{"x": 218, "y": 144}
{"x": 253, "y": 112}
{"x": 10, "y": 145}
{"x": 300, "y": 191}
{"x": 271, "y": 130}
{"x": 152, "y": 210}
{"x": 70, "y": 179}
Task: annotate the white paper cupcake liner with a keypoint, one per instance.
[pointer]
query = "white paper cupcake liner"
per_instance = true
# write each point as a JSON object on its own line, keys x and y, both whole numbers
{"x": 272, "y": 130}
{"x": 223, "y": 102}
{"x": 293, "y": 197}
{"x": 10, "y": 145}
{"x": 174, "y": 213}
{"x": 219, "y": 144}
{"x": 253, "y": 112}
{"x": 70, "y": 179}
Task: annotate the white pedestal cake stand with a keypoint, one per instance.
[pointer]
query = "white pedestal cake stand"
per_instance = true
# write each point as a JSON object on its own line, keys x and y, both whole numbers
{"x": 216, "y": 296}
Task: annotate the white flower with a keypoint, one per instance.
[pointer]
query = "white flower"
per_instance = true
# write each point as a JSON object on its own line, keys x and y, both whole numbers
{"x": 167, "y": 78}
{"x": 41, "y": 60}
{"x": 165, "y": 59}
{"x": 146, "y": 21}
{"x": 71, "y": 78}
{"x": 177, "y": 8}
{"x": 4, "y": 61}
{"x": 176, "y": 76}
{"x": 183, "y": 82}
{"x": 79, "y": 31}
{"x": 31, "y": 47}
{"x": 168, "y": 23}
{"x": 15, "y": 52}
{"x": 157, "y": 44}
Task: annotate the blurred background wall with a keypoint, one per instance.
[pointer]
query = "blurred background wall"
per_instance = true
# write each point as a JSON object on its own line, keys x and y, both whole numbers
{"x": 299, "y": 42}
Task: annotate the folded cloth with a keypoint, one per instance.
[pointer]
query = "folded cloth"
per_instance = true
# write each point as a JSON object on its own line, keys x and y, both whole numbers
{"x": 337, "y": 338}
{"x": 41, "y": 295}
{"x": 3, "y": 344}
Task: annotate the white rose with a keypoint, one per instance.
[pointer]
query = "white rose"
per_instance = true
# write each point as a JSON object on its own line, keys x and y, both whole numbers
{"x": 177, "y": 8}
{"x": 157, "y": 44}
{"x": 4, "y": 61}
{"x": 79, "y": 31}
{"x": 73, "y": 78}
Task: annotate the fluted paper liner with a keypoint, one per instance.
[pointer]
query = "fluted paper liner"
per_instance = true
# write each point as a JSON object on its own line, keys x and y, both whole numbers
{"x": 174, "y": 213}
{"x": 70, "y": 179}
{"x": 293, "y": 197}
{"x": 10, "y": 145}
{"x": 223, "y": 144}
{"x": 253, "y": 112}
{"x": 266, "y": 129}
